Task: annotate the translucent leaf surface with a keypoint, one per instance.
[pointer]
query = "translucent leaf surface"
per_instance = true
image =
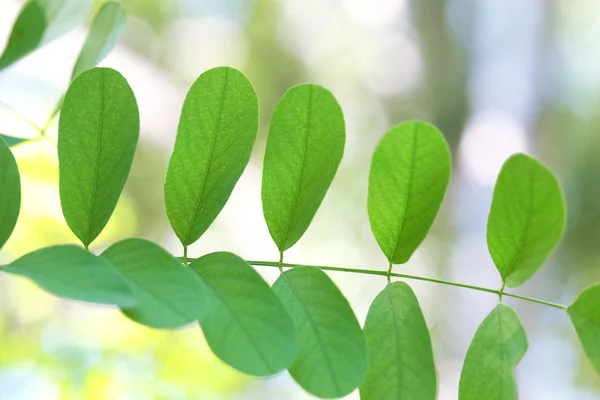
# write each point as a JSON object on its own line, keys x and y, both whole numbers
{"x": 585, "y": 315}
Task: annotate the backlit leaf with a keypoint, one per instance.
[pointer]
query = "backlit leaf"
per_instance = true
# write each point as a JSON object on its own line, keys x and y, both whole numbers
{"x": 527, "y": 218}
{"x": 409, "y": 175}
{"x": 332, "y": 352}
{"x": 106, "y": 30}
{"x": 496, "y": 350}
{"x": 304, "y": 149}
{"x": 246, "y": 326}
{"x": 12, "y": 140}
{"x": 217, "y": 129}
{"x": 10, "y": 192}
{"x": 585, "y": 315}
{"x": 401, "y": 363}
{"x": 74, "y": 273}
{"x": 98, "y": 132}
{"x": 169, "y": 294}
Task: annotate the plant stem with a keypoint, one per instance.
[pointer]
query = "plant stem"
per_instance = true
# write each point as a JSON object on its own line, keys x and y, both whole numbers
{"x": 20, "y": 116}
{"x": 497, "y": 292}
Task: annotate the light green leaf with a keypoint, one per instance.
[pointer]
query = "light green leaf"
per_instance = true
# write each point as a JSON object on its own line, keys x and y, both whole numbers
{"x": 496, "y": 350}
{"x": 401, "y": 363}
{"x": 585, "y": 315}
{"x": 74, "y": 273}
{"x": 217, "y": 129}
{"x": 10, "y": 192}
{"x": 409, "y": 175}
{"x": 246, "y": 326}
{"x": 527, "y": 218}
{"x": 332, "y": 352}
{"x": 98, "y": 132}
{"x": 106, "y": 30}
{"x": 304, "y": 149}
{"x": 26, "y": 35}
{"x": 169, "y": 295}
{"x": 40, "y": 22}
{"x": 12, "y": 141}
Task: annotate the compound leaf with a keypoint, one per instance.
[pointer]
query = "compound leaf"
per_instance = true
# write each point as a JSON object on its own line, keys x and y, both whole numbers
{"x": 527, "y": 218}
{"x": 98, "y": 133}
{"x": 304, "y": 149}
{"x": 401, "y": 363}
{"x": 169, "y": 295}
{"x": 217, "y": 130}
{"x": 496, "y": 350}
{"x": 246, "y": 326}
{"x": 38, "y": 23}
{"x": 12, "y": 141}
{"x": 585, "y": 315}
{"x": 74, "y": 273}
{"x": 332, "y": 352}
{"x": 10, "y": 192}
{"x": 106, "y": 30}
{"x": 409, "y": 175}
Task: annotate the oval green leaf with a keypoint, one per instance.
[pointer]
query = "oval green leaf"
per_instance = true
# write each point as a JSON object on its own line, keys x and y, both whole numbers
{"x": 246, "y": 326}
{"x": 496, "y": 350}
{"x": 216, "y": 133}
{"x": 74, "y": 273}
{"x": 401, "y": 363}
{"x": 98, "y": 133}
{"x": 332, "y": 352}
{"x": 106, "y": 30}
{"x": 169, "y": 295}
{"x": 304, "y": 149}
{"x": 585, "y": 315}
{"x": 12, "y": 141}
{"x": 39, "y": 22}
{"x": 10, "y": 193}
{"x": 409, "y": 175}
{"x": 527, "y": 218}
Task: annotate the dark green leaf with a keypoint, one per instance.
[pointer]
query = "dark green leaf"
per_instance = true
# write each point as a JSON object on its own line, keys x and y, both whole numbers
{"x": 10, "y": 192}
{"x": 401, "y": 364}
{"x": 496, "y": 350}
{"x": 527, "y": 218}
{"x": 40, "y": 22}
{"x": 332, "y": 353}
{"x": 74, "y": 273}
{"x": 304, "y": 149}
{"x": 12, "y": 141}
{"x": 105, "y": 32}
{"x": 217, "y": 129}
{"x": 98, "y": 132}
{"x": 409, "y": 175}
{"x": 169, "y": 294}
{"x": 585, "y": 315}
{"x": 246, "y": 326}
{"x": 26, "y": 35}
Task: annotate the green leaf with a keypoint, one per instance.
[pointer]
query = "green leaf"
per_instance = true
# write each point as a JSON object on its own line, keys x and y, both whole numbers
{"x": 585, "y": 315}
{"x": 106, "y": 30}
{"x": 247, "y": 326}
{"x": 496, "y": 350}
{"x": 98, "y": 133}
{"x": 527, "y": 218}
{"x": 332, "y": 352}
{"x": 10, "y": 192}
{"x": 169, "y": 295}
{"x": 409, "y": 175}
{"x": 304, "y": 149}
{"x": 401, "y": 363}
{"x": 217, "y": 129}
{"x": 74, "y": 273}
{"x": 40, "y": 22}
{"x": 26, "y": 35}
{"x": 12, "y": 141}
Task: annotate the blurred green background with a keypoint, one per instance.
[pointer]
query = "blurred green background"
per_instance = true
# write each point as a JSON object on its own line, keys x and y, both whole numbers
{"x": 496, "y": 77}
